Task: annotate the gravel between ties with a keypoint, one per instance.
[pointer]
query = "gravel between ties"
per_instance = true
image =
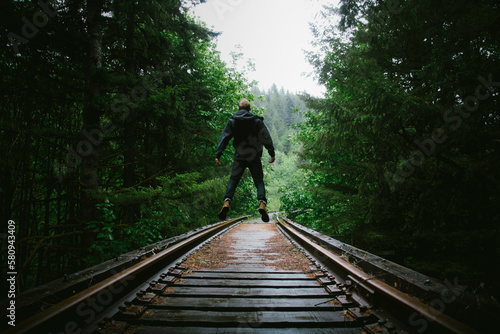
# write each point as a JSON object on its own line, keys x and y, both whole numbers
{"x": 260, "y": 243}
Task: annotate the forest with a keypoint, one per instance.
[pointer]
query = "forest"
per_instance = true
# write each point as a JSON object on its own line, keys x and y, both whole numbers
{"x": 112, "y": 110}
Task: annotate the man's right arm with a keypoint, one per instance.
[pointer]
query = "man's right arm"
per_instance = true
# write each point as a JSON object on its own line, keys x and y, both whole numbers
{"x": 226, "y": 136}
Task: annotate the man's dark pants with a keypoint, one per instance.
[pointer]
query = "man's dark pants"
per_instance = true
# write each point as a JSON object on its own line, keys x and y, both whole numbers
{"x": 255, "y": 167}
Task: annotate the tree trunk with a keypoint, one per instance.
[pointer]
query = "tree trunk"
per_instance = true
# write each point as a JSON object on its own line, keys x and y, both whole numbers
{"x": 130, "y": 124}
{"x": 91, "y": 118}
{"x": 130, "y": 127}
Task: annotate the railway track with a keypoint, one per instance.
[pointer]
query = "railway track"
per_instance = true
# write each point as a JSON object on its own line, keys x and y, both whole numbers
{"x": 242, "y": 277}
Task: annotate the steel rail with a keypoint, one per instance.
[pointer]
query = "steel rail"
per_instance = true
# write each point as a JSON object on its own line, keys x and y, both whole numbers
{"x": 436, "y": 317}
{"x": 71, "y": 304}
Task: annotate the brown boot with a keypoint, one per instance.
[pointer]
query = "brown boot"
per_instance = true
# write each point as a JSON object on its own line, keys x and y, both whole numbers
{"x": 224, "y": 210}
{"x": 263, "y": 212}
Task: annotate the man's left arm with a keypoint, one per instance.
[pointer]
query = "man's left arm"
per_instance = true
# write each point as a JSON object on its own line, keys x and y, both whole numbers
{"x": 267, "y": 141}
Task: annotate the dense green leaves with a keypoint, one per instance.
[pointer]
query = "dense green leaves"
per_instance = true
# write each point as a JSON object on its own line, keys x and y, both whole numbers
{"x": 163, "y": 96}
{"x": 406, "y": 140}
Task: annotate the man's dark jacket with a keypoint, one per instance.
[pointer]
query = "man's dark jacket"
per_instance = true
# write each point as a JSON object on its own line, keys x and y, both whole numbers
{"x": 249, "y": 133}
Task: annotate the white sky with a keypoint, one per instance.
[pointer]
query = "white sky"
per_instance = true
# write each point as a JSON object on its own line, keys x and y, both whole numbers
{"x": 273, "y": 33}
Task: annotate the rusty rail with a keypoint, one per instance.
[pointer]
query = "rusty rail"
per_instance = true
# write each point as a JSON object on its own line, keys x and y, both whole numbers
{"x": 320, "y": 292}
{"x": 378, "y": 291}
{"x": 112, "y": 285}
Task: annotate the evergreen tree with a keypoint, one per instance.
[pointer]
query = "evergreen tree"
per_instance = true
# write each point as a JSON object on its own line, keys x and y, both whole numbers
{"x": 406, "y": 140}
{"x": 111, "y": 113}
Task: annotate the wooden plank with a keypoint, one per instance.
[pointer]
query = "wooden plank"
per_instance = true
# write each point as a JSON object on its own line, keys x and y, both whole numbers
{"x": 246, "y": 292}
{"x": 218, "y": 303}
{"x": 186, "y": 281}
{"x": 250, "y": 260}
{"x": 242, "y": 330}
{"x": 248, "y": 319}
{"x": 250, "y": 276}
{"x": 254, "y": 267}
{"x": 251, "y": 253}
{"x": 260, "y": 269}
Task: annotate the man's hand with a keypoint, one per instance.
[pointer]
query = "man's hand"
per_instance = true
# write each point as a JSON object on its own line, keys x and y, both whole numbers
{"x": 272, "y": 160}
{"x": 217, "y": 161}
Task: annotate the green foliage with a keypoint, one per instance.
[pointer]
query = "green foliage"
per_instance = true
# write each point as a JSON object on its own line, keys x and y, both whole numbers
{"x": 114, "y": 238}
{"x": 280, "y": 178}
{"x": 164, "y": 95}
{"x": 387, "y": 93}
{"x": 178, "y": 203}
{"x": 404, "y": 143}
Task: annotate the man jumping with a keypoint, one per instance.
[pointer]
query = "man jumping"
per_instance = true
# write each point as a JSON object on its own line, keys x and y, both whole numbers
{"x": 250, "y": 134}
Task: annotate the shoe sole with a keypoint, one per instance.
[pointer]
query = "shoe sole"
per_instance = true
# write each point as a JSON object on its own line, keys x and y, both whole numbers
{"x": 223, "y": 212}
{"x": 264, "y": 215}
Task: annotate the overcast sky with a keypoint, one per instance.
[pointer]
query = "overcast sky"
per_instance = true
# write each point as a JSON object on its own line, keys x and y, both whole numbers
{"x": 273, "y": 33}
